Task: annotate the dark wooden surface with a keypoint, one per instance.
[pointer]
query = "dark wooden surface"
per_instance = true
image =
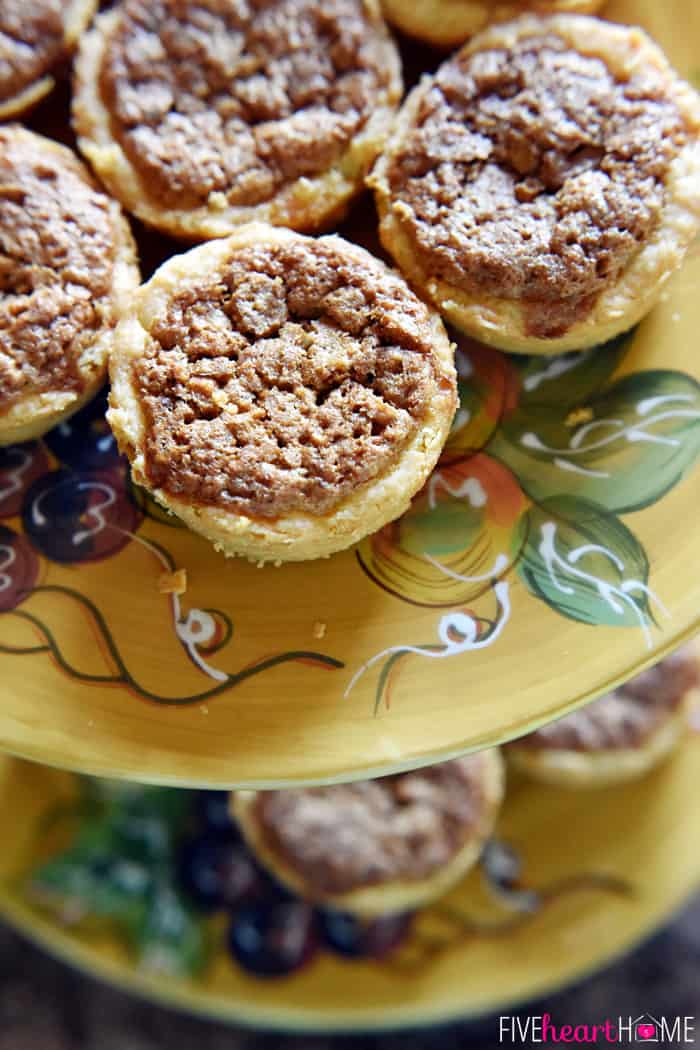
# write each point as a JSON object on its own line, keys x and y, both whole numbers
{"x": 46, "y": 1006}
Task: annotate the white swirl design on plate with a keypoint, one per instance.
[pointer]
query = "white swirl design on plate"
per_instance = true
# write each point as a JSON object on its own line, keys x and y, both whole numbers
{"x": 198, "y": 628}
{"x": 586, "y": 439}
{"x": 8, "y": 557}
{"x": 193, "y": 630}
{"x": 618, "y": 598}
{"x": 470, "y": 489}
{"x": 499, "y": 566}
{"x": 13, "y": 478}
{"x": 556, "y": 368}
{"x": 97, "y": 512}
{"x": 461, "y": 624}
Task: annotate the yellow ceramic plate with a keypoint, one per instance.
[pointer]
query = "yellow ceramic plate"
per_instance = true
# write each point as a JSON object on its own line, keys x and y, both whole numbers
{"x": 634, "y": 859}
{"x": 552, "y": 554}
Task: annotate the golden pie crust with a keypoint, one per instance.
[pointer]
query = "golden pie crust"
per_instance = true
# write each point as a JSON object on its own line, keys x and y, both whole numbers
{"x": 394, "y": 895}
{"x": 217, "y": 440}
{"x": 306, "y": 200}
{"x": 603, "y": 767}
{"x": 76, "y": 18}
{"x": 53, "y": 287}
{"x": 635, "y": 281}
{"x": 448, "y": 23}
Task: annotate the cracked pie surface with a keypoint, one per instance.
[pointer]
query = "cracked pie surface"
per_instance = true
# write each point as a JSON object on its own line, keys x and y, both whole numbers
{"x": 201, "y": 117}
{"x": 285, "y": 396}
{"x": 67, "y": 258}
{"x": 544, "y": 184}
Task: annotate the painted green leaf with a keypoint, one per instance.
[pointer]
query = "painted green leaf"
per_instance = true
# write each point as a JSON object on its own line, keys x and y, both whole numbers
{"x": 585, "y": 563}
{"x": 569, "y": 380}
{"x": 119, "y": 869}
{"x": 640, "y": 439}
{"x": 172, "y": 939}
{"x": 87, "y": 880}
{"x": 146, "y": 826}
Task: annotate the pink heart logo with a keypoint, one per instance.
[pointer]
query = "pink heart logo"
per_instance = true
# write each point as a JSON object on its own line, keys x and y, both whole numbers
{"x": 646, "y": 1031}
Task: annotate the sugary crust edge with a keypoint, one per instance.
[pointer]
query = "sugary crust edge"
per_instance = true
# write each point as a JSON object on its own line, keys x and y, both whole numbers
{"x": 295, "y": 537}
{"x": 448, "y": 23}
{"x": 502, "y": 322}
{"x": 307, "y": 204}
{"x": 561, "y": 767}
{"x": 77, "y": 18}
{"x": 394, "y": 896}
{"x": 34, "y": 415}
{"x": 39, "y": 414}
{"x": 28, "y": 97}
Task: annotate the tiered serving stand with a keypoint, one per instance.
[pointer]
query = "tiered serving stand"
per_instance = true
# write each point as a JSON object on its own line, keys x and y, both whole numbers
{"x": 468, "y": 623}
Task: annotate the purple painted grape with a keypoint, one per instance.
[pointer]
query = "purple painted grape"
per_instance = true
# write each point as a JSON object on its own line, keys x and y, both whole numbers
{"x": 82, "y": 517}
{"x": 356, "y": 938}
{"x": 274, "y": 938}
{"x": 272, "y": 890}
{"x": 384, "y": 935}
{"x": 343, "y": 933}
{"x": 20, "y": 466}
{"x": 85, "y": 441}
{"x": 218, "y": 872}
{"x": 212, "y": 810}
{"x": 502, "y": 865}
{"x": 19, "y": 568}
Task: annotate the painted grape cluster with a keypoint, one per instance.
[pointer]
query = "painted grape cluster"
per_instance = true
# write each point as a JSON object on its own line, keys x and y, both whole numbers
{"x": 72, "y": 499}
{"x": 158, "y": 863}
{"x": 271, "y": 932}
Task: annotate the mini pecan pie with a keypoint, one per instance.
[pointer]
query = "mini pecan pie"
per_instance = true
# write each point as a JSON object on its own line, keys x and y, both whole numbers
{"x": 35, "y": 35}
{"x": 448, "y": 23}
{"x": 285, "y": 396}
{"x": 66, "y": 259}
{"x": 545, "y": 183}
{"x": 621, "y": 736}
{"x": 201, "y": 116}
{"x": 377, "y": 845}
